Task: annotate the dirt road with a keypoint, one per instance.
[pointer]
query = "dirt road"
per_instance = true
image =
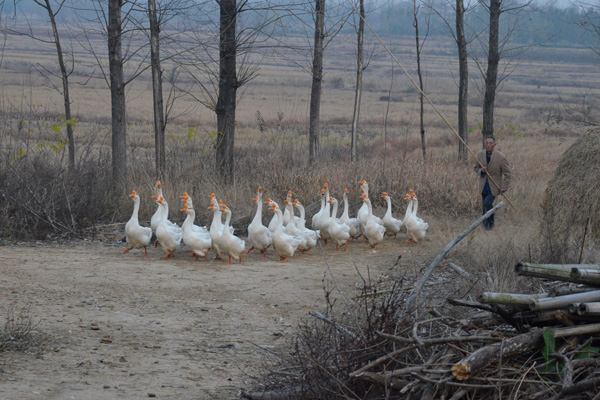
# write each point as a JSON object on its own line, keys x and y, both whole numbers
{"x": 127, "y": 327}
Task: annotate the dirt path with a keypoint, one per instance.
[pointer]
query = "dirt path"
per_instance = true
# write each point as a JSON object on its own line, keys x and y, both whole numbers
{"x": 170, "y": 329}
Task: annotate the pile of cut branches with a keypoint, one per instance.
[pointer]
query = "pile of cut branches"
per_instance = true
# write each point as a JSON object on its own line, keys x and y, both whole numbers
{"x": 506, "y": 345}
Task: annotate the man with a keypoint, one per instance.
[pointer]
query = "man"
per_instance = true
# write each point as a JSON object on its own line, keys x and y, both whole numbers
{"x": 495, "y": 165}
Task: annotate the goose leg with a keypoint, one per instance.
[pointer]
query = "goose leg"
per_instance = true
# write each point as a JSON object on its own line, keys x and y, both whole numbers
{"x": 249, "y": 250}
{"x": 145, "y": 252}
{"x": 127, "y": 250}
{"x": 168, "y": 255}
{"x": 282, "y": 259}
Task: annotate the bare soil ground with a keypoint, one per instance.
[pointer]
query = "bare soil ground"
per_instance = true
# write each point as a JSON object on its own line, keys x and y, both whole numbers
{"x": 125, "y": 327}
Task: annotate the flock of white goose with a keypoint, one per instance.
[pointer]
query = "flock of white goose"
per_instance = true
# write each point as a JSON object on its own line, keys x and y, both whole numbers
{"x": 286, "y": 232}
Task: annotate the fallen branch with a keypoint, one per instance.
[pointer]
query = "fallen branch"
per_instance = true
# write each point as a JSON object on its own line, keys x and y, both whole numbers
{"x": 459, "y": 270}
{"x": 336, "y": 325}
{"x": 473, "y": 363}
{"x": 442, "y": 340}
{"x": 579, "y": 387}
{"x": 382, "y": 380}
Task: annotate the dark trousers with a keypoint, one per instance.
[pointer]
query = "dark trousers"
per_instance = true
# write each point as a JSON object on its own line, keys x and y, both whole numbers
{"x": 488, "y": 204}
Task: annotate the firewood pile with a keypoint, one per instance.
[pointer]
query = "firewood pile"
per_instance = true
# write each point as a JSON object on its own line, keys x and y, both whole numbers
{"x": 538, "y": 346}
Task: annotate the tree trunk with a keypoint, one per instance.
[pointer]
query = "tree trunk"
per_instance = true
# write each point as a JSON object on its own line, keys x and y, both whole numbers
{"x": 314, "y": 132}
{"x": 492, "y": 71}
{"x": 463, "y": 85}
{"x": 359, "y": 73}
{"x": 228, "y": 85}
{"x": 117, "y": 97}
{"x": 421, "y": 111}
{"x": 65, "y": 82}
{"x": 157, "y": 95}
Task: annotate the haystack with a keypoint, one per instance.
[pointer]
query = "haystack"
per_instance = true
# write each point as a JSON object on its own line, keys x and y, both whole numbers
{"x": 571, "y": 205}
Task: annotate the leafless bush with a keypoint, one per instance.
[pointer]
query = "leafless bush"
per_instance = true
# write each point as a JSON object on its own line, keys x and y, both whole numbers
{"x": 40, "y": 197}
{"x": 329, "y": 347}
{"x": 19, "y": 331}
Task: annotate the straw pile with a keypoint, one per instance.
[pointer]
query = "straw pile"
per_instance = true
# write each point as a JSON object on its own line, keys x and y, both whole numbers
{"x": 571, "y": 206}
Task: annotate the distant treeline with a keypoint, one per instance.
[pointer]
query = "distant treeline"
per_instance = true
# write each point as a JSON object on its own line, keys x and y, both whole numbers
{"x": 533, "y": 24}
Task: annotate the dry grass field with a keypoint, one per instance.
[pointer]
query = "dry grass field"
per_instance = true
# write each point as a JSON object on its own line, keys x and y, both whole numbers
{"x": 181, "y": 330}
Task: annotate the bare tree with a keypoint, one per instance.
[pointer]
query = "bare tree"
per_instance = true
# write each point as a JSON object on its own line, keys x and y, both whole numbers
{"x": 154, "y": 19}
{"x": 419, "y": 49}
{"x": 228, "y": 86}
{"x": 496, "y": 50}
{"x": 113, "y": 21}
{"x": 314, "y": 132}
{"x": 492, "y": 69}
{"x": 359, "y": 73}
{"x": 117, "y": 95}
{"x": 64, "y": 72}
{"x": 463, "y": 81}
{"x": 157, "y": 90}
{"x": 457, "y": 32}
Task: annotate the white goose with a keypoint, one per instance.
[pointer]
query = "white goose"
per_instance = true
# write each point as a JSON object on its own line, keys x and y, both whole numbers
{"x": 338, "y": 231}
{"x": 391, "y": 224}
{"x": 274, "y": 220}
{"x": 415, "y": 226}
{"x": 355, "y": 230}
{"x": 325, "y": 217}
{"x": 137, "y": 236}
{"x": 231, "y": 244}
{"x": 198, "y": 241}
{"x": 289, "y": 211}
{"x": 216, "y": 227}
{"x": 408, "y": 211}
{"x": 284, "y": 244}
{"x": 157, "y": 217}
{"x": 310, "y": 235}
{"x": 259, "y": 236}
{"x": 363, "y": 211}
{"x": 187, "y": 200}
{"x": 317, "y": 217}
{"x": 167, "y": 235}
{"x": 373, "y": 231}
{"x": 291, "y": 228}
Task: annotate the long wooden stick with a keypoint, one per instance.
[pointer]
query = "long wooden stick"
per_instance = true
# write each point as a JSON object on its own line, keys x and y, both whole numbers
{"x": 551, "y": 303}
{"x": 446, "y": 250}
{"x": 511, "y": 299}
